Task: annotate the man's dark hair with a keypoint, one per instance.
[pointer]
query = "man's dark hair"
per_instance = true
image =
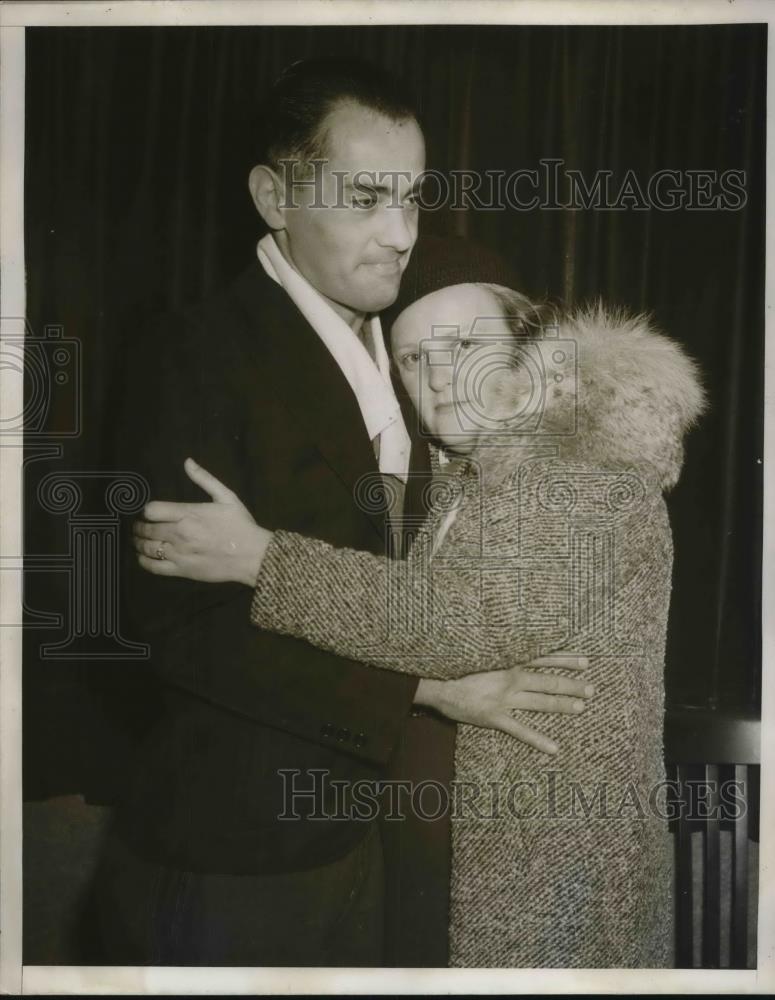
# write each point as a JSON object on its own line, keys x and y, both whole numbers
{"x": 305, "y": 93}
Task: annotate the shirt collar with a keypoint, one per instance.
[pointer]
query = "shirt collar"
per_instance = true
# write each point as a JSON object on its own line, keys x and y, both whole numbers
{"x": 369, "y": 381}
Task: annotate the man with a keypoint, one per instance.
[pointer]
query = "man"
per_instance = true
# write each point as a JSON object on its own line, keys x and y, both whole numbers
{"x": 280, "y": 387}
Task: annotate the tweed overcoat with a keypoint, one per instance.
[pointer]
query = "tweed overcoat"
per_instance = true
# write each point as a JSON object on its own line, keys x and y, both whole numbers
{"x": 551, "y": 537}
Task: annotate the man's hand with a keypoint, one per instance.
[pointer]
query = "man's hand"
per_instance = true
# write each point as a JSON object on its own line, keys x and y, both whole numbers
{"x": 486, "y": 699}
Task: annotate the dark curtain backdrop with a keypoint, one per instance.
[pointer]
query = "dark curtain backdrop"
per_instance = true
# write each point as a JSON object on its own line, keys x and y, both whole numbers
{"x": 138, "y": 146}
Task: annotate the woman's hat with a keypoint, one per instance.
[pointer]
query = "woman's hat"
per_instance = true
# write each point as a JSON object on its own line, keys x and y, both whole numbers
{"x": 437, "y": 262}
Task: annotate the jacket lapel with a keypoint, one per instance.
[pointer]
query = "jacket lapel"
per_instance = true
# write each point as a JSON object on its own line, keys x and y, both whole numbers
{"x": 415, "y": 499}
{"x": 316, "y": 394}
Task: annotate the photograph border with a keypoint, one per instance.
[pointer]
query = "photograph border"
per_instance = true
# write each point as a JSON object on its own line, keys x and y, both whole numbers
{"x": 25, "y": 980}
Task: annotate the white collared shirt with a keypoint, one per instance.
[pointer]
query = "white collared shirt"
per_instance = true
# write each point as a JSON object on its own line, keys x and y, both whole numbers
{"x": 369, "y": 379}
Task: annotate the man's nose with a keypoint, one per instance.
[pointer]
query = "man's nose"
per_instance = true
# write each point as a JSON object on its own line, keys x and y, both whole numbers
{"x": 399, "y": 228}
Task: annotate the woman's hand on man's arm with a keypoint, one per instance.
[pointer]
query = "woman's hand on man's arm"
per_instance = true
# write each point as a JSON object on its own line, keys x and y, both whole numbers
{"x": 215, "y": 542}
{"x": 487, "y": 699}
{"x": 219, "y": 541}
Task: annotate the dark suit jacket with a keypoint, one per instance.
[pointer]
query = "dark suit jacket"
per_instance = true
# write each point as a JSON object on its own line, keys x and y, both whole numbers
{"x": 246, "y": 387}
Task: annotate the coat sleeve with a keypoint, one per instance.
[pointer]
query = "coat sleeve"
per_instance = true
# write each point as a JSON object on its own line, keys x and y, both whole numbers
{"x": 466, "y": 610}
{"x": 179, "y": 404}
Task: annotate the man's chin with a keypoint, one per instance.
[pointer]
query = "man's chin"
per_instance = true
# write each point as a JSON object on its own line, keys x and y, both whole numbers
{"x": 376, "y": 296}
{"x": 378, "y": 303}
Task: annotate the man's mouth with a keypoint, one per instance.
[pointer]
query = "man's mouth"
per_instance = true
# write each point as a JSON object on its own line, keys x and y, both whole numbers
{"x": 392, "y": 266}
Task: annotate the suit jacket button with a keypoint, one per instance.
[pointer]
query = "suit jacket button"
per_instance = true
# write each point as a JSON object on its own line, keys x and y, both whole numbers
{"x": 343, "y": 735}
{"x": 359, "y": 740}
{"x": 327, "y": 731}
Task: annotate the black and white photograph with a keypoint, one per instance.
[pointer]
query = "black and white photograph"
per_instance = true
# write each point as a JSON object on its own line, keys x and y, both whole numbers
{"x": 384, "y": 543}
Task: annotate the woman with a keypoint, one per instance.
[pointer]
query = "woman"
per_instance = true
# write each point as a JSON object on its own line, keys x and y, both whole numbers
{"x": 549, "y": 531}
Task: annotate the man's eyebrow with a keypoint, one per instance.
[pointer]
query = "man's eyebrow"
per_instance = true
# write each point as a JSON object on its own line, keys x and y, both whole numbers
{"x": 385, "y": 189}
{"x": 367, "y": 186}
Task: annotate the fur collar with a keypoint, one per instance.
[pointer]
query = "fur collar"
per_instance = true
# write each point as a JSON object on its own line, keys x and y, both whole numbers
{"x": 616, "y": 393}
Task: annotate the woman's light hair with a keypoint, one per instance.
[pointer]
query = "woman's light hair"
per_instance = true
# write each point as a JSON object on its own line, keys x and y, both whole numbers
{"x": 526, "y": 319}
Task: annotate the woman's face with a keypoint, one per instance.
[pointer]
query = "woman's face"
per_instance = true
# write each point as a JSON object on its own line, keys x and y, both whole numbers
{"x": 453, "y": 350}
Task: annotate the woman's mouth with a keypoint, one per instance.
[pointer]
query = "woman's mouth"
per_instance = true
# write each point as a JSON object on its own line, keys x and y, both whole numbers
{"x": 451, "y": 406}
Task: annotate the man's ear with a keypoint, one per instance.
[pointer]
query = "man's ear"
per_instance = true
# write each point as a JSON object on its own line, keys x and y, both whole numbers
{"x": 267, "y": 192}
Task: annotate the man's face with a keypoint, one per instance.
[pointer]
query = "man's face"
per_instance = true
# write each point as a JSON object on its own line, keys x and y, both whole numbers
{"x": 355, "y": 248}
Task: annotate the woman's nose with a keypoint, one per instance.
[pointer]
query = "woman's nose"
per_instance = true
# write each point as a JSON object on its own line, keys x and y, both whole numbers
{"x": 439, "y": 373}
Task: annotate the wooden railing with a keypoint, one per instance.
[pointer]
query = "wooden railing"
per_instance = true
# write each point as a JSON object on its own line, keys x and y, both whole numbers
{"x": 713, "y": 766}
